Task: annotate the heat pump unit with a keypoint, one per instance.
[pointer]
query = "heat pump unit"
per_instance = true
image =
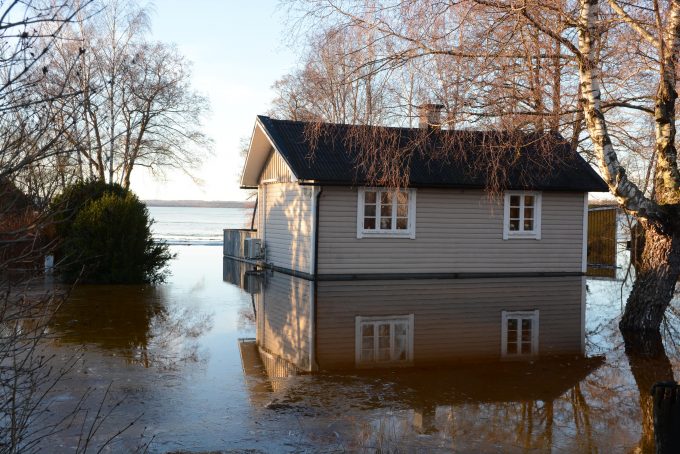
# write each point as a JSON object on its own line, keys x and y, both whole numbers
{"x": 252, "y": 282}
{"x": 253, "y": 248}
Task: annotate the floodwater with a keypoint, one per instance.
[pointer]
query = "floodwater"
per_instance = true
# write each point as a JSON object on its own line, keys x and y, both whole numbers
{"x": 171, "y": 358}
{"x": 196, "y": 225}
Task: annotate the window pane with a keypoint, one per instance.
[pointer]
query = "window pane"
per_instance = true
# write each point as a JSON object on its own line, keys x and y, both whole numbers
{"x": 367, "y": 355}
{"x": 512, "y": 336}
{"x": 528, "y": 200}
{"x": 526, "y": 324}
{"x": 386, "y": 210}
{"x": 526, "y": 348}
{"x": 400, "y": 348}
{"x": 369, "y": 223}
{"x": 514, "y": 200}
{"x": 400, "y": 341}
{"x": 369, "y": 210}
{"x": 386, "y": 223}
{"x": 384, "y": 330}
{"x": 384, "y": 354}
{"x": 528, "y": 225}
{"x": 529, "y": 212}
{"x": 402, "y": 197}
{"x": 386, "y": 198}
{"x": 514, "y": 213}
{"x": 367, "y": 343}
{"x": 369, "y": 196}
{"x": 514, "y": 224}
{"x": 367, "y": 330}
{"x": 402, "y": 211}
{"x": 402, "y": 223}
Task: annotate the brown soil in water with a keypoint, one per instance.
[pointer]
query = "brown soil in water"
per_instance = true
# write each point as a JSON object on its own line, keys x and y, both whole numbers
{"x": 171, "y": 356}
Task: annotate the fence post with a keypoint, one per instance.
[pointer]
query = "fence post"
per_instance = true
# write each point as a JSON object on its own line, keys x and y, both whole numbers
{"x": 666, "y": 402}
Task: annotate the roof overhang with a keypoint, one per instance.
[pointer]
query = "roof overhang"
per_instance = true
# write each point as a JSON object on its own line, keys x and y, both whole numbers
{"x": 260, "y": 145}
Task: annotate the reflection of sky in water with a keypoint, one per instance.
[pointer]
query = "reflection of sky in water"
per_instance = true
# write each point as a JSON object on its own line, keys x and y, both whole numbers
{"x": 181, "y": 368}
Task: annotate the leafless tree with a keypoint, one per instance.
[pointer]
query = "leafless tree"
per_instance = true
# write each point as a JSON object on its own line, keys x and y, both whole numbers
{"x": 600, "y": 72}
{"x": 33, "y": 152}
{"x": 135, "y": 105}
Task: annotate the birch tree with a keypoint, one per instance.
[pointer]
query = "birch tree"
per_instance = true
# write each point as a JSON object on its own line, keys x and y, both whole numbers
{"x": 601, "y": 72}
{"x": 135, "y": 105}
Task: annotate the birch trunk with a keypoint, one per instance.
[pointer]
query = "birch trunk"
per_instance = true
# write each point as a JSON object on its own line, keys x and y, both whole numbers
{"x": 660, "y": 265}
{"x": 627, "y": 193}
{"x": 667, "y": 178}
{"x": 656, "y": 275}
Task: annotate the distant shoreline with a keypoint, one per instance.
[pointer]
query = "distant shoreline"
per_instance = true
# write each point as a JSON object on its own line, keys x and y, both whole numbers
{"x": 199, "y": 203}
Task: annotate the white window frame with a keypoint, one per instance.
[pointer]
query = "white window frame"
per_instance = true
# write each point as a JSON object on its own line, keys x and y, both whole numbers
{"x": 528, "y": 234}
{"x": 410, "y": 231}
{"x": 359, "y": 320}
{"x": 532, "y": 315}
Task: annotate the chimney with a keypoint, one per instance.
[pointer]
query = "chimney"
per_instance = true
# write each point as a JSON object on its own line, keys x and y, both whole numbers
{"x": 430, "y": 116}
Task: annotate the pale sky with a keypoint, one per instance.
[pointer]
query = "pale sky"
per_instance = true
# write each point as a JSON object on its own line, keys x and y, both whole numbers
{"x": 238, "y": 50}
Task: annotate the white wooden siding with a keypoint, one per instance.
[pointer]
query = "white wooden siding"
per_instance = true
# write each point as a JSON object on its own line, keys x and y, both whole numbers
{"x": 285, "y": 216}
{"x": 456, "y": 231}
{"x": 276, "y": 169}
{"x": 456, "y": 319}
{"x": 287, "y": 225}
{"x": 284, "y": 318}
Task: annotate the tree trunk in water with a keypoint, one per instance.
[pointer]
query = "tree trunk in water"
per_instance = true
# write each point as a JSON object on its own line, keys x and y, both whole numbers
{"x": 649, "y": 364}
{"x": 657, "y": 273}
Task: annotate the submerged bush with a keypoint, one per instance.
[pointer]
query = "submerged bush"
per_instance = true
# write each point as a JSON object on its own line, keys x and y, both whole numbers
{"x": 105, "y": 236}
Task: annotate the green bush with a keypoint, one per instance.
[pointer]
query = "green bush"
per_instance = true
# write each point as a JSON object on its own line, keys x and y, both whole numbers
{"x": 105, "y": 237}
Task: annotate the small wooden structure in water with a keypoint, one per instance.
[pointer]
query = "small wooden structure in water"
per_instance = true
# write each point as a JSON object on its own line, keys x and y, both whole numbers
{"x": 602, "y": 232}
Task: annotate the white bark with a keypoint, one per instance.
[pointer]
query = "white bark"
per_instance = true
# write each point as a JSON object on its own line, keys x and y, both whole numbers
{"x": 627, "y": 193}
{"x": 667, "y": 176}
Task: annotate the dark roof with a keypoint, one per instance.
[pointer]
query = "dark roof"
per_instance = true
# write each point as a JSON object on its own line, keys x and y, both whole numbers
{"x": 331, "y": 158}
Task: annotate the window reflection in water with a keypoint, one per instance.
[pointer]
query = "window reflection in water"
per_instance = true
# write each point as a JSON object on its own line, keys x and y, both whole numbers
{"x": 570, "y": 403}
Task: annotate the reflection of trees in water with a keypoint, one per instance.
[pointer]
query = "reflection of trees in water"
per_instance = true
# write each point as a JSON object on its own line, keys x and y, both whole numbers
{"x": 647, "y": 357}
{"x": 532, "y": 409}
{"x": 247, "y": 315}
{"x": 649, "y": 364}
{"x": 134, "y": 321}
{"x": 469, "y": 408}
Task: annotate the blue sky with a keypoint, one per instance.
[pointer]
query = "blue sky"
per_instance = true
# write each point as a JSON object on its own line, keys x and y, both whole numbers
{"x": 238, "y": 50}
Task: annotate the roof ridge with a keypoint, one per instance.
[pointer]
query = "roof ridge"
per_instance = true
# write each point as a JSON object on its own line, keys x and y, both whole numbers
{"x": 331, "y": 160}
{"x": 411, "y": 128}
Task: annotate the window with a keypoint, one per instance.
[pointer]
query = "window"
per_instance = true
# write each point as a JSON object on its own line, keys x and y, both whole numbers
{"x": 519, "y": 334}
{"x": 386, "y": 213}
{"x": 522, "y": 215}
{"x": 384, "y": 340}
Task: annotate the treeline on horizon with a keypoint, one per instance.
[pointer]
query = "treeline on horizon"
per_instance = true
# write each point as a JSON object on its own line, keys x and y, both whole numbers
{"x": 199, "y": 203}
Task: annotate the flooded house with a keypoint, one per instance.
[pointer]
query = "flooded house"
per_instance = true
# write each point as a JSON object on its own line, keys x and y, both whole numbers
{"x": 354, "y": 276}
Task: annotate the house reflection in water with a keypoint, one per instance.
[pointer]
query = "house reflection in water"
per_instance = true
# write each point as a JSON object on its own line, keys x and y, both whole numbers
{"x": 343, "y": 325}
{"x": 529, "y": 397}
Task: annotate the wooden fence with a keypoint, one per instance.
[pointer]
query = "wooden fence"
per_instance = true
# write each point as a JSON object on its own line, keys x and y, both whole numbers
{"x": 602, "y": 241}
{"x": 234, "y": 240}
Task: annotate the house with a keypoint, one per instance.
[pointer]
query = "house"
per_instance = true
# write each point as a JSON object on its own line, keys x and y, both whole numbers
{"x": 437, "y": 271}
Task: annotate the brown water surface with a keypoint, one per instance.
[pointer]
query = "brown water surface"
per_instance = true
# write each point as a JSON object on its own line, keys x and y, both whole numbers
{"x": 171, "y": 356}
